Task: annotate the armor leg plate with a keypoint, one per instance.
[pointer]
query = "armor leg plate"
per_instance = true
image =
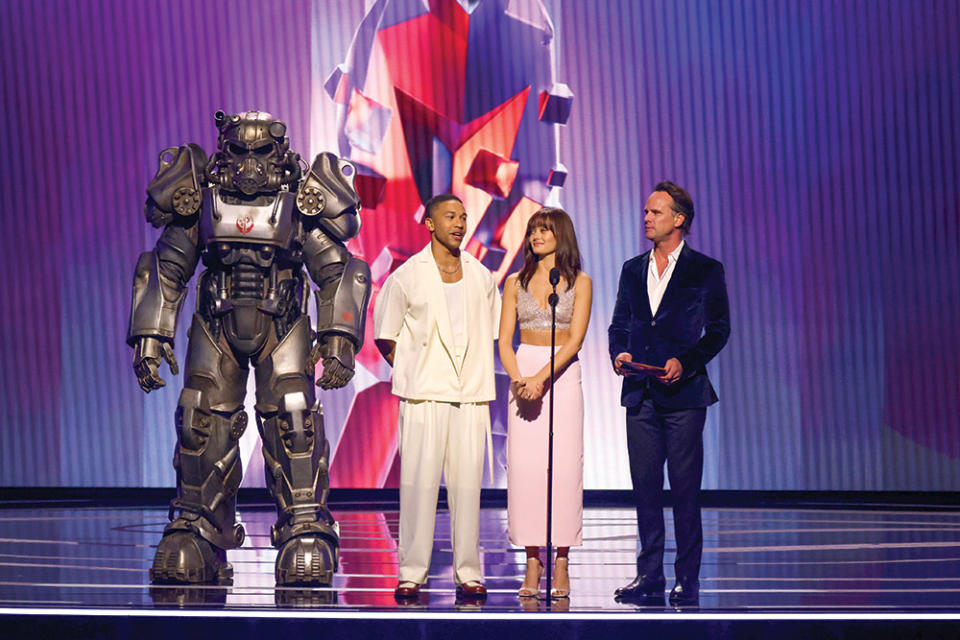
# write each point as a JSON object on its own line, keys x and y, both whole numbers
{"x": 209, "y": 423}
{"x": 295, "y": 452}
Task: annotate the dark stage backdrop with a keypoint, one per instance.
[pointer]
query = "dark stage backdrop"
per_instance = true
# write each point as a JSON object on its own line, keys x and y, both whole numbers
{"x": 819, "y": 140}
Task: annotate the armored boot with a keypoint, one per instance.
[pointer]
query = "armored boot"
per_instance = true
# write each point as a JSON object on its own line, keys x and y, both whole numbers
{"x": 184, "y": 557}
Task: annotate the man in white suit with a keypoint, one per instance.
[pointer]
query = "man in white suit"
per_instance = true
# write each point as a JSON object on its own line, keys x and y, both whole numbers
{"x": 436, "y": 319}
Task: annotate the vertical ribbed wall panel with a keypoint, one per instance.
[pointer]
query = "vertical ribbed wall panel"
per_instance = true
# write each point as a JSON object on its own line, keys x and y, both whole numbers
{"x": 30, "y": 340}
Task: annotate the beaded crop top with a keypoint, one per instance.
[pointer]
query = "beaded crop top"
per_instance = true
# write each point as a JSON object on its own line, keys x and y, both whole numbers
{"x": 532, "y": 316}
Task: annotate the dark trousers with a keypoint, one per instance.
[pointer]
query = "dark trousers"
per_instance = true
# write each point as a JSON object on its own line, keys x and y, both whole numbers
{"x": 656, "y": 435}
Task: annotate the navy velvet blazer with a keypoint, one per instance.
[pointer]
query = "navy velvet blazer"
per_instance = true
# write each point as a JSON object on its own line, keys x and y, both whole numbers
{"x": 692, "y": 324}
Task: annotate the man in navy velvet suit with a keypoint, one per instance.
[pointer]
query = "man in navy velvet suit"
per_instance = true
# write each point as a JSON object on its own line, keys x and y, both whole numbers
{"x": 672, "y": 313}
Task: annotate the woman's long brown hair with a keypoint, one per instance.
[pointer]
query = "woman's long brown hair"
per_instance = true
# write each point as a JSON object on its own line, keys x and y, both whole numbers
{"x": 568, "y": 253}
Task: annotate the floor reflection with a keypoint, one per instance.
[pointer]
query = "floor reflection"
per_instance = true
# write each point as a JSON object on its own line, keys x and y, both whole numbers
{"x": 754, "y": 560}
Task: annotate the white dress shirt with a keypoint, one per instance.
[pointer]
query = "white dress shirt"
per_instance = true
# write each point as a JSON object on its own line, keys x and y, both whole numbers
{"x": 656, "y": 282}
{"x": 458, "y": 315}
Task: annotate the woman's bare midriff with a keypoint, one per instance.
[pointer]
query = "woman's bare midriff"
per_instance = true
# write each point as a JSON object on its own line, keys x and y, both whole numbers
{"x": 541, "y": 338}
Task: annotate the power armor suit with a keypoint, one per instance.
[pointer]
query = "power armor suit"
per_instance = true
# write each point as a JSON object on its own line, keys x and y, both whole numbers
{"x": 255, "y": 221}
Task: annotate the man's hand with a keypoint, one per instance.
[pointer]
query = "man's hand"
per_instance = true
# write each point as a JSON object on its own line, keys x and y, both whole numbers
{"x": 147, "y": 354}
{"x": 673, "y": 371}
{"x": 618, "y": 363}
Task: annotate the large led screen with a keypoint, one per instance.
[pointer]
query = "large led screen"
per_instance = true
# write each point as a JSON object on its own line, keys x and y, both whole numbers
{"x": 819, "y": 140}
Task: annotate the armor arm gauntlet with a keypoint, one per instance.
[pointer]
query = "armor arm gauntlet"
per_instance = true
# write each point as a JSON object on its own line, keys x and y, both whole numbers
{"x": 341, "y": 312}
{"x": 342, "y": 306}
{"x": 156, "y": 301}
{"x": 344, "y": 291}
{"x": 160, "y": 285}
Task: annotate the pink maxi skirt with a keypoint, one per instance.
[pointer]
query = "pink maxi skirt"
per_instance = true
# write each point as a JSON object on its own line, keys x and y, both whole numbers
{"x": 527, "y": 431}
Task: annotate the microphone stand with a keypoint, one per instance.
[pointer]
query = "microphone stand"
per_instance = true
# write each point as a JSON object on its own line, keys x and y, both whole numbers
{"x": 553, "y": 299}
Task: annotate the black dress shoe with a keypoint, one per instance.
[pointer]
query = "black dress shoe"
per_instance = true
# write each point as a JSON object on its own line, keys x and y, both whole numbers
{"x": 685, "y": 592}
{"x": 642, "y": 586}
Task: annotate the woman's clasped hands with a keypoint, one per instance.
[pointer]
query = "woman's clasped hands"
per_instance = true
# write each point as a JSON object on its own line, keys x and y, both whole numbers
{"x": 527, "y": 388}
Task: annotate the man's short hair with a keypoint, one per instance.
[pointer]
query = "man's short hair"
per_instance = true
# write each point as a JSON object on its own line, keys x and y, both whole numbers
{"x": 682, "y": 202}
{"x": 431, "y": 204}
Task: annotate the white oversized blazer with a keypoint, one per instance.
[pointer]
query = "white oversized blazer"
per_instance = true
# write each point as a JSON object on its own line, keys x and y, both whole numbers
{"x": 411, "y": 309}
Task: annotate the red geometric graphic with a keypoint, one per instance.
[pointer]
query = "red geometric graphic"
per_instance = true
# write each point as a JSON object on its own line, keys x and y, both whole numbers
{"x": 364, "y": 461}
{"x": 492, "y": 173}
{"x": 426, "y": 57}
{"x": 558, "y": 175}
{"x": 370, "y": 187}
{"x": 337, "y": 85}
{"x": 555, "y": 104}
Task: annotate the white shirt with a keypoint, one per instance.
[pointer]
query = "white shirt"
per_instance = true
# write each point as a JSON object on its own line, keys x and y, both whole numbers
{"x": 657, "y": 283}
{"x": 412, "y": 310}
{"x": 458, "y": 315}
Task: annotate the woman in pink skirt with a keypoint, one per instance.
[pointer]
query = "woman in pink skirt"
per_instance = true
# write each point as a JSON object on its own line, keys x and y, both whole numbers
{"x": 550, "y": 242}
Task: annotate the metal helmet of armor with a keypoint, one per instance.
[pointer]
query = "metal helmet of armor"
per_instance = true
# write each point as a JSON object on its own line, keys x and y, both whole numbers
{"x": 253, "y": 154}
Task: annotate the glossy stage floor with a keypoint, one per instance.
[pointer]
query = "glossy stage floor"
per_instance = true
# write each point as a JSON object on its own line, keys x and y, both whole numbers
{"x": 802, "y": 563}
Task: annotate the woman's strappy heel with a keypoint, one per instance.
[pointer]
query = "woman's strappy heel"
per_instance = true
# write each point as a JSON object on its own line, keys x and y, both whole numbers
{"x": 531, "y": 592}
{"x": 561, "y": 592}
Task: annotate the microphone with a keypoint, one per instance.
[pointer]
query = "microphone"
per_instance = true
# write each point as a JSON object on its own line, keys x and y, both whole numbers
{"x": 554, "y": 281}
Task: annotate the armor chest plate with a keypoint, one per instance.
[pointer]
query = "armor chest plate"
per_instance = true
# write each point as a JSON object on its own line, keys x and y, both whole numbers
{"x": 273, "y": 224}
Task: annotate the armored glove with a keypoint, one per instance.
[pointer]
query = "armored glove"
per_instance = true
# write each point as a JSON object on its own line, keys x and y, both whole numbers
{"x": 146, "y": 362}
{"x": 338, "y": 361}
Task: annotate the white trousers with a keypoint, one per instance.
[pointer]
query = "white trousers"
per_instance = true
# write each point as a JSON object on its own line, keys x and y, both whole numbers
{"x": 440, "y": 437}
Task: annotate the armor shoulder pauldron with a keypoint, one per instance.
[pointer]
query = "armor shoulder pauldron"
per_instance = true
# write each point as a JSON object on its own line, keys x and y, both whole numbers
{"x": 327, "y": 197}
{"x": 175, "y": 191}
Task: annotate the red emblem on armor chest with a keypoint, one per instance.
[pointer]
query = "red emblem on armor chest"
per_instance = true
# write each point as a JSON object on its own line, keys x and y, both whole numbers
{"x": 244, "y": 224}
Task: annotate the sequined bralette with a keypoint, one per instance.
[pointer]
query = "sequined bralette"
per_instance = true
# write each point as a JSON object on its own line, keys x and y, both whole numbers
{"x": 533, "y": 316}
